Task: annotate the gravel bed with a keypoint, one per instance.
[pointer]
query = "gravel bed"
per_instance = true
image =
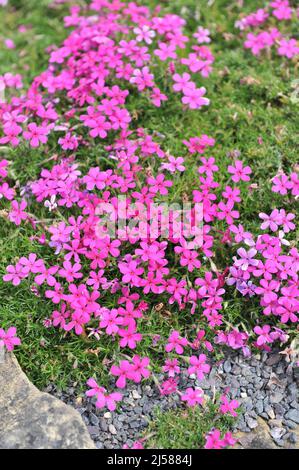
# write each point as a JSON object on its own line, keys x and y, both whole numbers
{"x": 265, "y": 385}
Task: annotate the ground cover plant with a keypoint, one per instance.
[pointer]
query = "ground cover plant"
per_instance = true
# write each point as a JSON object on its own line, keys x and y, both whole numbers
{"x": 126, "y": 107}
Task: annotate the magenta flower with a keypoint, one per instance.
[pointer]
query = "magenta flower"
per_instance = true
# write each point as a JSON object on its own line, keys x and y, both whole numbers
{"x": 176, "y": 342}
{"x": 199, "y": 366}
{"x": 228, "y": 406}
{"x": 36, "y": 134}
{"x": 239, "y": 172}
{"x": 193, "y": 396}
{"x": 9, "y": 338}
{"x": 194, "y": 97}
{"x": 17, "y": 213}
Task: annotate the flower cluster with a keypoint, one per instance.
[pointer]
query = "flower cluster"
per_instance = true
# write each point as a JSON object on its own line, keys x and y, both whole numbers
{"x": 265, "y": 39}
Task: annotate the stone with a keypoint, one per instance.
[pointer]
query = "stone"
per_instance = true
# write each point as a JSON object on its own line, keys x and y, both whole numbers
{"x": 30, "y": 419}
{"x": 273, "y": 359}
{"x": 259, "y": 438}
{"x": 276, "y": 397}
{"x": 252, "y": 423}
{"x": 112, "y": 429}
{"x": 293, "y": 415}
{"x": 277, "y": 433}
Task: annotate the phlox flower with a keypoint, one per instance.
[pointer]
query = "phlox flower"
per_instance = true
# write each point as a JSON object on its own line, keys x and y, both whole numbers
{"x": 165, "y": 51}
{"x": 288, "y": 48}
{"x": 9, "y": 338}
{"x": 157, "y": 97}
{"x": 111, "y": 321}
{"x": 202, "y": 35}
{"x": 239, "y": 172}
{"x": 263, "y": 334}
{"x": 142, "y": 78}
{"x": 144, "y": 34}
{"x": 194, "y": 97}
{"x": 271, "y": 221}
{"x": 15, "y": 274}
{"x": 102, "y": 398}
{"x": 213, "y": 440}
{"x": 122, "y": 372}
{"x": 281, "y": 184}
{"x": 181, "y": 81}
{"x": 176, "y": 342}
{"x": 228, "y": 406}
{"x": 36, "y": 134}
{"x": 246, "y": 258}
{"x": 193, "y": 396}
{"x": 17, "y": 212}
{"x": 171, "y": 367}
{"x": 199, "y": 366}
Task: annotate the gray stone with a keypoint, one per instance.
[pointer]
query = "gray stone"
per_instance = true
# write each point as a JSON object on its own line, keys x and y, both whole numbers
{"x": 293, "y": 438}
{"x": 276, "y": 397}
{"x": 227, "y": 366}
{"x": 30, "y": 419}
{"x": 293, "y": 415}
{"x": 277, "y": 433}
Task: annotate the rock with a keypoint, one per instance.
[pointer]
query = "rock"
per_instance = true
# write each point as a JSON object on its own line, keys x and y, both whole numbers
{"x": 30, "y": 419}
{"x": 252, "y": 423}
{"x": 273, "y": 359}
{"x": 227, "y": 366}
{"x": 293, "y": 415}
{"x": 112, "y": 429}
{"x": 259, "y": 438}
{"x": 293, "y": 438}
{"x": 277, "y": 433}
{"x": 276, "y": 397}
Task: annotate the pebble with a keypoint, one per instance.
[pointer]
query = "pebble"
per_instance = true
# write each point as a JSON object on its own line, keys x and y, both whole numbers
{"x": 293, "y": 415}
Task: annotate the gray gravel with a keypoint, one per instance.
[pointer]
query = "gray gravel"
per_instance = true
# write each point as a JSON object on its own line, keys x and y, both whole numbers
{"x": 265, "y": 385}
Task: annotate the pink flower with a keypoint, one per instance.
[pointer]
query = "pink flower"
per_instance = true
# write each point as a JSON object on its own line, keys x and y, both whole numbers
{"x": 263, "y": 334}
{"x": 36, "y": 134}
{"x": 199, "y": 366}
{"x": 176, "y": 342}
{"x": 182, "y": 81}
{"x": 202, "y": 35}
{"x": 213, "y": 440}
{"x": 9, "y": 339}
{"x": 159, "y": 184}
{"x": 142, "y": 78}
{"x": 193, "y": 396}
{"x": 17, "y": 213}
{"x": 11, "y": 132}
{"x": 122, "y": 372}
{"x": 246, "y": 259}
{"x": 69, "y": 142}
{"x": 111, "y": 321}
{"x": 239, "y": 172}
{"x": 102, "y": 398}
{"x": 157, "y": 97}
{"x": 165, "y": 51}
{"x": 194, "y": 97}
{"x": 270, "y": 221}
{"x": 15, "y": 274}
{"x": 228, "y": 406}
{"x": 171, "y": 367}
{"x": 144, "y": 34}
{"x": 288, "y": 48}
